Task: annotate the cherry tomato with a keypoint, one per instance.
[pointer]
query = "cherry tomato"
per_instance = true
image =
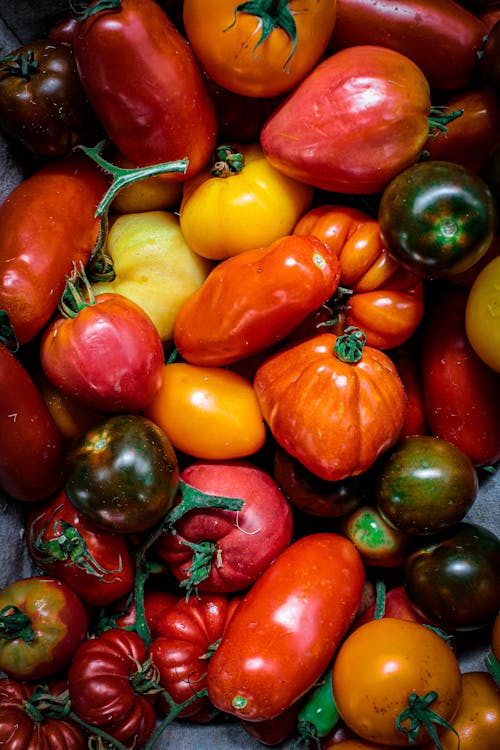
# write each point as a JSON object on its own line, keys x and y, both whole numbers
{"x": 378, "y": 543}
{"x": 482, "y": 315}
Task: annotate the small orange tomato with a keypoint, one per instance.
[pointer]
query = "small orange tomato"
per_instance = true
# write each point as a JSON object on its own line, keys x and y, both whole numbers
{"x": 208, "y": 412}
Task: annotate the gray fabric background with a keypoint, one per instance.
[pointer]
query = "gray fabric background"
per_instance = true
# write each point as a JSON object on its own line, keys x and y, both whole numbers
{"x": 25, "y": 20}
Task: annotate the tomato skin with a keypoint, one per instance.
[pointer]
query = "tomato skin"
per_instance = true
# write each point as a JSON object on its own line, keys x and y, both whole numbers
{"x": 57, "y": 619}
{"x": 296, "y": 621}
{"x": 171, "y": 117}
{"x": 483, "y": 306}
{"x": 28, "y": 436}
{"x": 461, "y": 394}
{"x": 397, "y": 605}
{"x": 407, "y": 365}
{"x": 258, "y": 69}
{"x": 413, "y": 27}
{"x": 47, "y": 223}
{"x": 263, "y": 293}
{"x": 349, "y": 96}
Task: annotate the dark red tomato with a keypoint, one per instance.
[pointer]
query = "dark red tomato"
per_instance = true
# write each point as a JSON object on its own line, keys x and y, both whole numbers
{"x": 156, "y": 603}
{"x": 31, "y": 454}
{"x": 188, "y": 634}
{"x": 47, "y": 223}
{"x": 273, "y": 731}
{"x": 42, "y": 104}
{"x": 287, "y": 628}
{"x": 490, "y": 59}
{"x": 109, "y": 686}
{"x": 461, "y": 393}
{"x": 219, "y": 550}
{"x": 406, "y": 360}
{"x": 29, "y": 720}
{"x": 396, "y": 604}
{"x": 42, "y": 623}
{"x": 145, "y": 85}
{"x": 64, "y": 543}
{"x": 414, "y": 27}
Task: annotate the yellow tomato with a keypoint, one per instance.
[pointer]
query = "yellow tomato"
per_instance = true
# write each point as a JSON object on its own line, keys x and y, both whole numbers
{"x": 482, "y": 315}
{"x": 208, "y": 412}
{"x": 154, "y": 267}
{"x": 149, "y": 194}
{"x": 223, "y": 216}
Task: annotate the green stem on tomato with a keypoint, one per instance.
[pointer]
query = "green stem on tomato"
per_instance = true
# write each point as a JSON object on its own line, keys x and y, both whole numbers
{"x": 349, "y": 346}
{"x": 14, "y": 624}
{"x": 418, "y": 715}
{"x": 274, "y": 14}
{"x": 175, "y": 710}
{"x": 100, "y": 5}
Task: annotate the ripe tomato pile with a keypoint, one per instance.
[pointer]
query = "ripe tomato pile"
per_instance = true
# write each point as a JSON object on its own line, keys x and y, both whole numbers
{"x": 250, "y": 376}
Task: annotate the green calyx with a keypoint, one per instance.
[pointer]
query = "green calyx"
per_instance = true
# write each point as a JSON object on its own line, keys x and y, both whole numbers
{"x": 418, "y": 715}
{"x": 22, "y": 65}
{"x": 226, "y": 161}
{"x": 97, "y": 7}
{"x": 349, "y": 346}
{"x": 274, "y": 14}
{"x": 77, "y": 293}
{"x": 15, "y": 624}
{"x": 439, "y": 117}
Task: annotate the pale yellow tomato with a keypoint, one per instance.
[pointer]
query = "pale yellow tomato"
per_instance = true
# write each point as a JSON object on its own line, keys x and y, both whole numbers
{"x": 482, "y": 314}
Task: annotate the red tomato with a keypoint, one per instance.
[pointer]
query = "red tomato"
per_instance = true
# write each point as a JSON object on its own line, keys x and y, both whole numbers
{"x": 226, "y": 550}
{"x": 396, "y": 605}
{"x": 145, "y": 86}
{"x": 156, "y": 602}
{"x": 405, "y": 359}
{"x": 286, "y": 629}
{"x": 273, "y": 731}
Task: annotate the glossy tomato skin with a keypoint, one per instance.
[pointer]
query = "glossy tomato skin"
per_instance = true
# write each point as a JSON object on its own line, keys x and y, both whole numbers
{"x": 461, "y": 393}
{"x": 109, "y": 356}
{"x": 453, "y": 579}
{"x": 483, "y": 304}
{"x": 413, "y": 27}
{"x": 451, "y": 213}
{"x": 349, "y": 96}
{"x": 406, "y": 360}
{"x": 64, "y": 543}
{"x": 296, "y": 620}
{"x": 31, "y": 454}
{"x": 47, "y": 223}
{"x": 56, "y": 624}
{"x": 122, "y": 474}
{"x": 101, "y": 688}
{"x": 264, "y": 293}
{"x": 170, "y": 114}
{"x": 234, "y": 50}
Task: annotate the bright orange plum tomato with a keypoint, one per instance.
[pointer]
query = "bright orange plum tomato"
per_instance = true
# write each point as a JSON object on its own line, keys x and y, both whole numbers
{"x": 208, "y": 412}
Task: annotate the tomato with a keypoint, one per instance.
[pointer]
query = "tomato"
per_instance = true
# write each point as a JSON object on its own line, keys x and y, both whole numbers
{"x": 208, "y": 412}
{"x": 240, "y": 117}
{"x": 110, "y": 329}
{"x": 122, "y": 474}
{"x": 413, "y": 27}
{"x": 124, "y": 612}
{"x": 66, "y": 544}
{"x": 378, "y": 543}
{"x": 355, "y": 744}
{"x": 490, "y": 61}
{"x": 144, "y": 85}
{"x": 318, "y": 398}
{"x": 239, "y": 203}
{"x": 109, "y": 686}
{"x": 43, "y": 621}
{"x": 47, "y": 223}
{"x": 149, "y": 194}
{"x": 461, "y": 393}
{"x": 253, "y": 300}
{"x": 424, "y": 485}
{"x": 359, "y": 103}
{"x": 437, "y": 218}
{"x": 273, "y": 731}
{"x": 383, "y": 299}
{"x": 483, "y": 307}
{"x": 259, "y": 49}
{"x": 396, "y": 663}
{"x": 406, "y": 360}
{"x": 453, "y": 579}
{"x": 296, "y": 620}
{"x": 27, "y": 720}
{"x": 31, "y": 454}
{"x": 219, "y": 550}
{"x": 396, "y": 604}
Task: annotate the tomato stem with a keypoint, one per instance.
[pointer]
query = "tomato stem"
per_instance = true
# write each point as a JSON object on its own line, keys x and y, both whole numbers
{"x": 379, "y": 600}
{"x": 439, "y": 119}
{"x": 493, "y": 667}
{"x": 82, "y": 15}
{"x": 419, "y": 714}
{"x": 22, "y": 65}
{"x": 14, "y": 624}
{"x": 349, "y": 346}
{"x": 175, "y": 710}
{"x": 226, "y": 161}
{"x": 274, "y": 14}
{"x": 77, "y": 293}
{"x": 194, "y": 499}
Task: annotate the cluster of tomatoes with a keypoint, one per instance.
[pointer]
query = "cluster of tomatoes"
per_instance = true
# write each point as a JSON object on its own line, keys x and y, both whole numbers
{"x": 249, "y": 374}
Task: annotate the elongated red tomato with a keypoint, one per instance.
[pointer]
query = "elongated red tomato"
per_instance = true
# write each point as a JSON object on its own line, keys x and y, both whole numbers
{"x": 286, "y": 629}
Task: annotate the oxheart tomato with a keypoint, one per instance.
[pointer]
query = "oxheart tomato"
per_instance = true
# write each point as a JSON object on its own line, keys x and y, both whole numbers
{"x": 109, "y": 686}
{"x": 354, "y": 123}
{"x": 145, "y": 85}
{"x": 43, "y": 621}
{"x": 253, "y": 300}
{"x": 287, "y": 628}
{"x": 220, "y": 550}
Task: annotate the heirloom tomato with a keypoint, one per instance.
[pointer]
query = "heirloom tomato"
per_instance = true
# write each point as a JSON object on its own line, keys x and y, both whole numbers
{"x": 208, "y": 412}
{"x": 383, "y": 298}
{"x": 482, "y": 315}
{"x": 221, "y": 550}
{"x": 253, "y": 300}
{"x": 239, "y": 202}
{"x": 359, "y": 119}
{"x": 406, "y": 360}
{"x": 404, "y": 672}
{"x": 437, "y": 218}
{"x": 261, "y": 48}
{"x": 287, "y": 628}
{"x": 149, "y": 194}
{"x": 145, "y": 85}
{"x": 42, "y": 623}
{"x": 111, "y": 686}
{"x": 332, "y": 402}
{"x": 378, "y": 542}
{"x": 122, "y": 474}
